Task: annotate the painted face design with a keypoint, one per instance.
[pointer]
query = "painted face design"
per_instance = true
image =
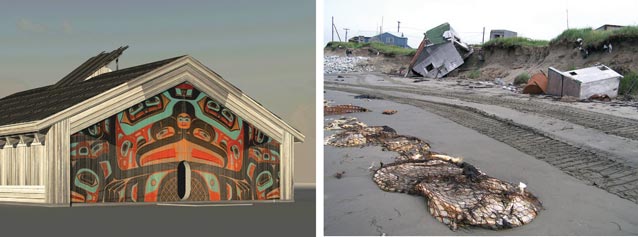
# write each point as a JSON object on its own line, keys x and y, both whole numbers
{"x": 133, "y": 156}
{"x": 183, "y": 121}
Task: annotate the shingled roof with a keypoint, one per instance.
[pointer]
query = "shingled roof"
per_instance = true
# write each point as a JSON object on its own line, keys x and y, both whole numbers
{"x": 40, "y": 103}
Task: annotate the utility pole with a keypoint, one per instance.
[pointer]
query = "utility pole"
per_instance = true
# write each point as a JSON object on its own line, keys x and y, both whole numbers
{"x": 398, "y": 26}
{"x": 567, "y": 12}
{"x": 332, "y": 27}
{"x": 483, "y": 41}
{"x": 567, "y": 16}
{"x": 346, "y": 29}
{"x": 381, "y": 27}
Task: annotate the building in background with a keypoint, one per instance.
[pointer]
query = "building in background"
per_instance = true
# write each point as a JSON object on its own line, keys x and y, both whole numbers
{"x": 166, "y": 131}
{"x": 359, "y": 39}
{"x": 495, "y": 34}
{"x": 385, "y": 38}
{"x": 609, "y": 27}
{"x": 390, "y": 39}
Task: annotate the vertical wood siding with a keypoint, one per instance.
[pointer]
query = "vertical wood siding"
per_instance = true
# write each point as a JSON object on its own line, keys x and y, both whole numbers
{"x": 58, "y": 164}
{"x": 21, "y": 172}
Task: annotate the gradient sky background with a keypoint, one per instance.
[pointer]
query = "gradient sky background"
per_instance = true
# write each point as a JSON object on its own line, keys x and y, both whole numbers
{"x": 539, "y": 19}
{"x": 265, "y": 48}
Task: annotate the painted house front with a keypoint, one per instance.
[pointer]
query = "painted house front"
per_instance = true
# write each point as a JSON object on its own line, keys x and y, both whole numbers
{"x": 167, "y": 131}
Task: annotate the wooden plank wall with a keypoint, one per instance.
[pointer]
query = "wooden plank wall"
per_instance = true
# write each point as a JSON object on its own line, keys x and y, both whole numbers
{"x": 286, "y": 167}
{"x": 21, "y": 172}
{"x": 58, "y": 142}
{"x": 27, "y": 194}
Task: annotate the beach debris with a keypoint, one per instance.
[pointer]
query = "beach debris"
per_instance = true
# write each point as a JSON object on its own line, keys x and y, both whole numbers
{"x": 337, "y": 64}
{"x": 368, "y": 96}
{"x": 536, "y": 85}
{"x": 389, "y": 112}
{"x": 600, "y": 97}
{"x": 342, "y": 109}
{"x": 458, "y": 193}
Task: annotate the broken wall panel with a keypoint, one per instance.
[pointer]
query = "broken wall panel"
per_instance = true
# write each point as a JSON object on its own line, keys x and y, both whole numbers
{"x": 438, "y": 60}
{"x": 554, "y": 82}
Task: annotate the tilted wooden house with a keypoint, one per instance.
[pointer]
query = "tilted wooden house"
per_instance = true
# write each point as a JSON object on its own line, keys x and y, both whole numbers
{"x": 166, "y": 131}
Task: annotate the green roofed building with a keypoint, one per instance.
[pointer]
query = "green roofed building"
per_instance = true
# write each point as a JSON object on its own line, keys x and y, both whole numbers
{"x": 440, "y": 52}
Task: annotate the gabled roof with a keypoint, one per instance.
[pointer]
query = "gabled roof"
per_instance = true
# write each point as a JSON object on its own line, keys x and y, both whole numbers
{"x": 88, "y": 101}
{"x": 40, "y": 103}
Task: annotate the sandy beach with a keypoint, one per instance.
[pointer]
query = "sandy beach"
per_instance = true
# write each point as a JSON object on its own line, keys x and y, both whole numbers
{"x": 354, "y": 205}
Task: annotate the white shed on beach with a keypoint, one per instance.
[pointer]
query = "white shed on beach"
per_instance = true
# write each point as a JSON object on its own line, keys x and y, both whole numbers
{"x": 583, "y": 83}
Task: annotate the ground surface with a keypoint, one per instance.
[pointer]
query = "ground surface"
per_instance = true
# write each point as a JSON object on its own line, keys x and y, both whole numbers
{"x": 578, "y": 161}
{"x": 268, "y": 219}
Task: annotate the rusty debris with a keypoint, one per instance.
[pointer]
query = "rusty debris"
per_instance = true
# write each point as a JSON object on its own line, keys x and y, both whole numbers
{"x": 458, "y": 193}
{"x": 389, "y": 112}
{"x": 536, "y": 85}
{"x": 342, "y": 109}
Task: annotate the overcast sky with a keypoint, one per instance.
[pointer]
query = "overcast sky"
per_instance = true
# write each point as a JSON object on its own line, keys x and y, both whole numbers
{"x": 262, "y": 47}
{"x": 538, "y": 19}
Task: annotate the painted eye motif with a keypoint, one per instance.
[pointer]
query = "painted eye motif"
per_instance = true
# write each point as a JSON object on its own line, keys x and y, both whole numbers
{"x": 126, "y": 146}
{"x": 83, "y": 151}
{"x": 228, "y": 115}
{"x": 212, "y": 105}
{"x": 260, "y": 137}
{"x": 235, "y": 151}
{"x": 165, "y": 132}
{"x": 97, "y": 147}
{"x": 152, "y": 101}
{"x": 257, "y": 153}
{"x": 202, "y": 134}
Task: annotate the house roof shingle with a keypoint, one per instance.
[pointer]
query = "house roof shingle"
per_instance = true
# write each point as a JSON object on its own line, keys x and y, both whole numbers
{"x": 40, "y": 103}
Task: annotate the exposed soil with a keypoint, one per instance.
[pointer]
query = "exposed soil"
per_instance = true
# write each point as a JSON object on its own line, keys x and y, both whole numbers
{"x": 507, "y": 63}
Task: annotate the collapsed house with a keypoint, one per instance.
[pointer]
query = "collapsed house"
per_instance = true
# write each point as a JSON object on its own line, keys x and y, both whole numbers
{"x": 440, "y": 52}
{"x": 583, "y": 83}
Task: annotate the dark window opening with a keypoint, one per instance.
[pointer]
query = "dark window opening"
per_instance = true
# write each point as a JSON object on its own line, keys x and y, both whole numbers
{"x": 429, "y": 67}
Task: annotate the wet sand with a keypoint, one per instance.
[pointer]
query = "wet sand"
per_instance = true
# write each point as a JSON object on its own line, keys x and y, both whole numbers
{"x": 354, "y": 205}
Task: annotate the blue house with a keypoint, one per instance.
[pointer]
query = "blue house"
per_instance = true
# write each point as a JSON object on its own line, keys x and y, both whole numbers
{"x": 390, "y": 39}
